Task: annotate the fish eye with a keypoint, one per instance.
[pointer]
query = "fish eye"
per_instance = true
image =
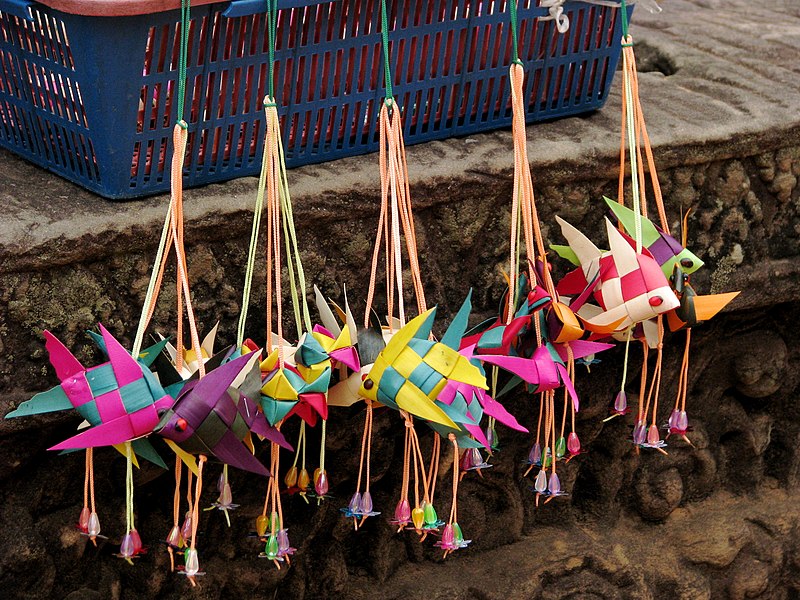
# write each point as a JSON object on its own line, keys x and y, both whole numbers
{"x": 656, "y": 301}
{"x": 368, "y": 384}
{"x": 160, "y": 412}
{"x": 687, "y": 263}
{"x": 180, "y": 425}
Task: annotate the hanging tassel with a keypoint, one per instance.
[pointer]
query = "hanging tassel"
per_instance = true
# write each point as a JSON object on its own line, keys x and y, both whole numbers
{"x": 191, "y": 562}
{"x": 452, "y": 536}
{"x": 402, "y": 511}
{"x": 277, "y": 546}
{"x": 321, "y": 483}
{"x": 678, "y": 420}
{"x": 89, "y": 522}
{"x": 431, "y": 520}
{"x": 224, "y": 501}
{"x": 361, "y": 505}
{"x": 653, "y": 439}
{"x": 535, "y": 453}
{"x": 174, "y": 539}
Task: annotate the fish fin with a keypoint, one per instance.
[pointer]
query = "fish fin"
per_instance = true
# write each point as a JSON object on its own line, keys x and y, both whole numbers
{"x": 187, "y": 458}
{"x": 231, "y": 451}
{"x": 105, "y": 434}
{"x": 411, "y": 399}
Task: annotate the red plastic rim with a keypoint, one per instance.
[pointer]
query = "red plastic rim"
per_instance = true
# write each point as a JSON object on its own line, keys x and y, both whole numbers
{"x": 117, "y": 8}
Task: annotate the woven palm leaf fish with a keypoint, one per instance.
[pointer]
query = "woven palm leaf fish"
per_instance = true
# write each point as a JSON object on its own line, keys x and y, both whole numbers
{"x": 120, "y": 399}
{"x": 412, "y": 370}
{"x": 629, "y": 287}
{"x": 209, "y": 418}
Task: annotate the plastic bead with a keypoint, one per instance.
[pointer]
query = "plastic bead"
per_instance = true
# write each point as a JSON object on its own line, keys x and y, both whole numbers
{"x": 653, "y": 436}
{"x": 262, "y": 523}
{"x": 303, "y": 479}
{"x": 126, "y": 548}
{"x": 317, "y": 473}
{"x": 366, "y": 503}
{"x": 458, "y": 536}
{"x": 186, "y": 528}
{"x": 355, "y": 503}
{"x": 221, "y": 482}
{"x": 430, "y": 514}
{"x": 83, "y": 520}
{"x": 418, "y": 517}
{"x": 273, "y": 548}
{"x": 283, "y": 542}
{"x": 682, "y": 423}
{"x": 137, "y": 541}
{"x": 673, "y": 418}
{"x": 491, "y": 437}
{"x": 192, "y": 563}
{"x": 448, "y": 536}
{"x": 573, "y": 443}
{"x": 540, "y": 485}
{"x": 225, "y": 495}
{"x": 466, "y": 461}
{"x": 475, "y": 458}
{"x": 321, "y": 484}
{"x": 639, "y": 433}
{"x": 290, "y": 479}
{"x": 535, "y": 455}
{"x": 174, "y": 537}
{"x": 561, "y": 447}
{"x": 621, "y": 403}
{"x": 93, "y": 527}
{"x": 554, "y": 487}
{"x": 402, "y": 512}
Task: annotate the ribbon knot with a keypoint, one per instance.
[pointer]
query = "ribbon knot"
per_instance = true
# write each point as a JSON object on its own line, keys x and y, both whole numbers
{"x": 555, "y": 9}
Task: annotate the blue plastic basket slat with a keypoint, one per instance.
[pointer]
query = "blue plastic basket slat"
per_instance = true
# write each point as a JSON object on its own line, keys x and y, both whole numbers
{"x": 104, "y": 118}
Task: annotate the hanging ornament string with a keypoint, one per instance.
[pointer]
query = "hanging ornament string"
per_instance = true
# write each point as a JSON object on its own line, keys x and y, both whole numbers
{"x": 273, "y": 194}
{"x": 628, "y": 65}
{"x": 274, "y": 184}
{"x": 396, "y": 208}
{"x": 129, "y": 488}
{"x": 251, "y": 254}
{"x": 535, "y": 453}
{"x": 156, "y": 275}
{"x": 174, "y": 539}
{"x": 190, "y": 554}
{"x": 523, "y": 208}
{"x": 396, "y": 214}
{"x": 173, "y": 232}
{"x": 634, "y": 133}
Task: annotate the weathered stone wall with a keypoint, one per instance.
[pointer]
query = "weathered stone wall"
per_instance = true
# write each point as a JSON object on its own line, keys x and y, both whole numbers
{"x": 719, "y": 520}
{"x": 742, "y": 406}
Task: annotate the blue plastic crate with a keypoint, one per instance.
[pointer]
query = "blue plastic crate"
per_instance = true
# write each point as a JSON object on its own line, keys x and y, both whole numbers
{"x": 91, "y": 97}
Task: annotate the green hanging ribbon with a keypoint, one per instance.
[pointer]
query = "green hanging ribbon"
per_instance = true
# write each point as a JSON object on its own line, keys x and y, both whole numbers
{"x": 387, "y": 72}
{"x": 184, "y": 49}
{"x": 624, "y": 15}
{"x": 512, "y": 8}
{"x": 272, "y": 29}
